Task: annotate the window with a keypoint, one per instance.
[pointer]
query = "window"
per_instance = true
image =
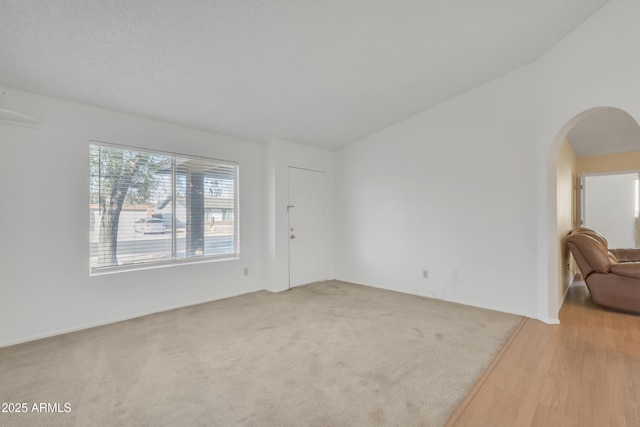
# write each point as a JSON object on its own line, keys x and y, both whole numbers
{"x": 149, "y": 208}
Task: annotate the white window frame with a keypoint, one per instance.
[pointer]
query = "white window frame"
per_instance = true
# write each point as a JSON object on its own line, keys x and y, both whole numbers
{"x": 175, "y": 260}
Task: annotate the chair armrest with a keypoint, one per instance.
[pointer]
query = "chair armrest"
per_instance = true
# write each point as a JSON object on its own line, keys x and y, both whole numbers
{"x": 626, "y": 255}
{"x": 627, "y": 269}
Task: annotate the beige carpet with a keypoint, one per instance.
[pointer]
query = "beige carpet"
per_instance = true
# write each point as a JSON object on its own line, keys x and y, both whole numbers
{"x": 327, "y": 354}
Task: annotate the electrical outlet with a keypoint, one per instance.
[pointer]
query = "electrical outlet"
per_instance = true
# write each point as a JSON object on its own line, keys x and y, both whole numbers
{"x": 246, "y": 271}
{"x": 425, "y": 274}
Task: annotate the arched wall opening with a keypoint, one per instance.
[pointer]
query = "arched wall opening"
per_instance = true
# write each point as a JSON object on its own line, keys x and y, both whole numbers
{"x": 556, "y": 229}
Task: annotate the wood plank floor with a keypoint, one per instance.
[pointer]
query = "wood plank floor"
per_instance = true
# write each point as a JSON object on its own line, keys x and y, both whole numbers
{"x": 583, "y": 372}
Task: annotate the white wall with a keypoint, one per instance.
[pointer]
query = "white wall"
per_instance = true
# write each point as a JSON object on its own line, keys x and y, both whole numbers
{"x": 45, "y": 287}
{"x": 467, "y": 190}
{"x": 595, "y": 66}
{"x": 451, "y": 191}
{"x": 280, "y": 155}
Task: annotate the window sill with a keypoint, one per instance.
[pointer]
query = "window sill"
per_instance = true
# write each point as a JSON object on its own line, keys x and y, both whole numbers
{"x": 100, "y": 271}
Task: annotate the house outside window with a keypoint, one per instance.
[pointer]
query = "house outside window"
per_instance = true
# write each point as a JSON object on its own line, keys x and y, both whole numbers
{"x": 150, "y": 208}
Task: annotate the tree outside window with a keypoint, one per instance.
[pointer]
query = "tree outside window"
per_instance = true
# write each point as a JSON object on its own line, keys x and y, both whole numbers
{"x": 152, "y": 207}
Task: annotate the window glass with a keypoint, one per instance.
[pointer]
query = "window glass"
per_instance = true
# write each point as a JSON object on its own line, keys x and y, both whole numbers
{"x": 152, "y": 208}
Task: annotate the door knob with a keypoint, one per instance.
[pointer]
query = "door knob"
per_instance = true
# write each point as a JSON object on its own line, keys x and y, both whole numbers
{"x": 293, "y": 236}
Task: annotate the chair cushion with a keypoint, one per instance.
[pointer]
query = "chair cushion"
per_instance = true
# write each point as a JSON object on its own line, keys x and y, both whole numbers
{"x": 627, "y": 269}
{"x": 594, "y": 252}
{"x": 626, "y": 255}
{"x": 593, "y": 233}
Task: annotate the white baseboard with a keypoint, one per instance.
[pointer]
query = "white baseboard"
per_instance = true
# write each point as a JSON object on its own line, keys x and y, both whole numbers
{"x": 548, "y": 321}
{"x": 454, "y": 301}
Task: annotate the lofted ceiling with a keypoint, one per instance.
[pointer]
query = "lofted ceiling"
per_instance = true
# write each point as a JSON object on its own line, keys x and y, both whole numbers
{"x": 323, "y": 73}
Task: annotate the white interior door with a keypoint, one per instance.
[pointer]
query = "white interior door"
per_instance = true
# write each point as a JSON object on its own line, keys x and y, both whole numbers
{"x": 611, "y": 207}
{"x": 307, "y": 226}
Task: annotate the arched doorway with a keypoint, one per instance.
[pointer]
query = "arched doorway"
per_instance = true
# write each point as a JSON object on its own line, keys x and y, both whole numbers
{"x": 599, "y": 134}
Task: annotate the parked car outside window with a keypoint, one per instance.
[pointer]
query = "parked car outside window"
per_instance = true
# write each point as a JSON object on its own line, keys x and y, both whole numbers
{"x": 149, "y": 225}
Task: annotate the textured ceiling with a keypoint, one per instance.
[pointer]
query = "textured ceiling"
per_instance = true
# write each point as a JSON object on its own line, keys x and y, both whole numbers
{"x": 323, "y": 73}
{"x": 605, "y": 131}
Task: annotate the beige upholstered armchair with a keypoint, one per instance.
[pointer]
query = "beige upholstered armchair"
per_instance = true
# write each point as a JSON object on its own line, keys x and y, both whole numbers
{"x": 612, "y": 275}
